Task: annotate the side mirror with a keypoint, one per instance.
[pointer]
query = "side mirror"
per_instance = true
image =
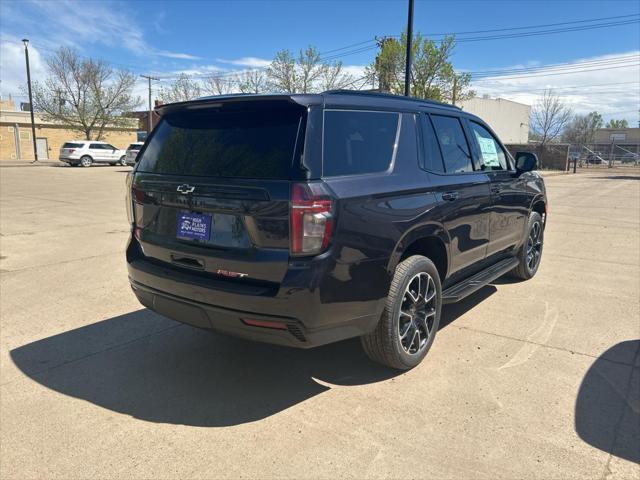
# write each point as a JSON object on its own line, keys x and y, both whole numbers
{"x": 526, "y": 162}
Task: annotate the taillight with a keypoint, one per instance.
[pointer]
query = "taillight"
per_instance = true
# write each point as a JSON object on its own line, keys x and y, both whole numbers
{"x": 71, "y": 150}
{"x": 128, "y": 198}
{"x": 311, "y": 218}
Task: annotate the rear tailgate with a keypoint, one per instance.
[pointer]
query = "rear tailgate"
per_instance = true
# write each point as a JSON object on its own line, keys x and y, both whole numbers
{"x": 212, "y": 187}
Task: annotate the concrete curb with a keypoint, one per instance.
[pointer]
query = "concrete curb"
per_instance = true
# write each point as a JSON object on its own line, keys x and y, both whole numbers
{"x": 28, "y": 163}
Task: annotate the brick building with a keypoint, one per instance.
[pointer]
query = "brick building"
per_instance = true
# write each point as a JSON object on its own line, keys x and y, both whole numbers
{"x": 16, "y": 142}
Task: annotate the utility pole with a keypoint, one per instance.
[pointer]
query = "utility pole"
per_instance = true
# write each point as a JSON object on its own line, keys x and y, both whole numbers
{"x": 33, "y": 123}
{"x": 407, "y": 72}
{"x": 150, "y": 118}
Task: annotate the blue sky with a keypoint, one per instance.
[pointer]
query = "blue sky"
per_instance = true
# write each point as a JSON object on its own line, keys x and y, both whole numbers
{"x": 165, "y": 37}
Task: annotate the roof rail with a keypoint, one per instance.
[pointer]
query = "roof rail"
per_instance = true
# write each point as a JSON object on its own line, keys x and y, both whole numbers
{"x": 389, "y": 95}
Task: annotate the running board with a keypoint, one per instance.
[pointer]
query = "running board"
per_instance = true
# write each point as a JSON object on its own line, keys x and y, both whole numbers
{"x": 466, "y": 287}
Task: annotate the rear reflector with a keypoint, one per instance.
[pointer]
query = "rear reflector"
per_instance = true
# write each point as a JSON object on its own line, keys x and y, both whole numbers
{"x": 264, "y": 324}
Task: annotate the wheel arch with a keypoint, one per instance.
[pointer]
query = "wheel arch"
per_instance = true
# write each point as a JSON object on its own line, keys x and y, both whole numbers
{"x": 539, "y": 204}
{"x": 430, "y": 241}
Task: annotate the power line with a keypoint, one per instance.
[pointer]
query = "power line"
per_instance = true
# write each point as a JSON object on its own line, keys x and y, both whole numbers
{"x": 619, "y": 60}
{"x": 568, "y": 87}
{"x": 535, "y": 26}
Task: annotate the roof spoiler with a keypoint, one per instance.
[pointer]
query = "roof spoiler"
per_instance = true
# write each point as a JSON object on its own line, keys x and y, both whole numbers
{"x": 217, "y": 101}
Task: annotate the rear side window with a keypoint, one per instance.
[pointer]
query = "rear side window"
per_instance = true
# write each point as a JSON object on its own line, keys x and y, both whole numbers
{"x": 134, "y": 146}
{"x": 432, "y": 157}
{"x": 246, "y": 144}
{"x": 358, "y": 142}
{"x": 72, "y": 145}
{"x": 96, "y": 146}
{"x": 453, "y": 144}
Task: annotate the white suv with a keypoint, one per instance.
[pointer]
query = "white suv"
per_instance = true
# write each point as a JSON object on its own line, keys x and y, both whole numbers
{"x": 132, "y": 152}
{"x": 86, "y": 152}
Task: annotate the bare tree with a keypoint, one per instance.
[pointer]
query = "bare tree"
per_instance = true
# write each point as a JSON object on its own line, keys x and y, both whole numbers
{"x": 182, "y": 89}
{"x": 282, "y": 73}
{"x": 219, "y": 85}
{"x": 549, "y": 117}
{"x": 582, "y": 129}
{"x": 84, "y": 94}
{"x": 333, "y": 77}
{"x": 310, "y": 68}
{"x": 252, "y": 81}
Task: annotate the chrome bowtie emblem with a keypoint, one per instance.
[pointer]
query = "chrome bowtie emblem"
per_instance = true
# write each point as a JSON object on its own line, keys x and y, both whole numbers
{"x": 185, "y": 189}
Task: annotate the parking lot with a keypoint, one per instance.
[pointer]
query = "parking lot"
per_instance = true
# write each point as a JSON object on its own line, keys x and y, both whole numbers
{"x": 539, "y": 379}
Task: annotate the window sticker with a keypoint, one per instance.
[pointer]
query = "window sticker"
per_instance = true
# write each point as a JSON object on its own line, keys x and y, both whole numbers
{"x": 489, "y": 151}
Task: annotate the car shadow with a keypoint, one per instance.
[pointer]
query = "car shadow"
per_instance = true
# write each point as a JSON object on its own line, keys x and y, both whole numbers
{"x": 607, "y": 411}
{"x": 151, "y": 368}
{"x": 180, "y": 375}
{"x": 618, "y": 177}
{"x": 451, "y": 312}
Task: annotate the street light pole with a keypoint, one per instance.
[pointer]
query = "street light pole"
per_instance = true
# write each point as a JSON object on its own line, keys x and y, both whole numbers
{"x": 33, "y": 123}
{"x": 407, "y": 72}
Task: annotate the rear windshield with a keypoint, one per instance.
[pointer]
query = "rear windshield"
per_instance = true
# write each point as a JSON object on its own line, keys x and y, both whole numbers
{"x": 72, "y": 145}
{"x": 248, "y": 144}
{"x": 134, "y": 146}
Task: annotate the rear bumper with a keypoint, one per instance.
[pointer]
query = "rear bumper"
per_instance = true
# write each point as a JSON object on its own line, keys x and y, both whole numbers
{"x": 308, "y": 316}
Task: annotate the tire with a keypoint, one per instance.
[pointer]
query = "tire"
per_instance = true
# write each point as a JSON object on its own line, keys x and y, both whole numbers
{"x": 86, "y": 161}
{"x": 385, "y": 344}
{"x": 530, "y": 254}
{"x": 123, "y": 161}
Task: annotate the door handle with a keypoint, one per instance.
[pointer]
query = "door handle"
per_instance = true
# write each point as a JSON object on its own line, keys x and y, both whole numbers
{"x": 496, "y": 189}
{"x": 450, "y": 196}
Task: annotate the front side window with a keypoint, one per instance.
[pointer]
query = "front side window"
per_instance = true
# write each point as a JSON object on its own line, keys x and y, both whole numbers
{"x": 96, "y": 146}
{"x": 72, "y": 145}
{"x": 492, "y": 156}
{"x": 357, "y": 142}
{"x": 453, "y": 144}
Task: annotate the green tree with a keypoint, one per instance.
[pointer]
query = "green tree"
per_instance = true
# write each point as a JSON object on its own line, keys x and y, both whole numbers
{"x": 582, "y": 129}
{"x": 617, "y": 123}
{"x": 85, "y": 95}
{"x": 282, "y": 73}
{"x": 432, "y": 74}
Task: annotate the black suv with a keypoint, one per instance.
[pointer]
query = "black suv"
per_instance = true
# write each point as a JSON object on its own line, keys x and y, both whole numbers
{"x": 307, "y": 219}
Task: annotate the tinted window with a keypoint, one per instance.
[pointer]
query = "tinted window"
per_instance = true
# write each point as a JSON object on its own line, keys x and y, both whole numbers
{"x": 109, "y": 147}
{"x": 134, "y": 146}
{"x": 72, "y": 145}
{"x": 492, "y": 156}
{"x": 453, "y": 144}
{"x": 250, "y": 144}
{"x": 96, "y": 146}
{"x": 432, "y": 157}
{"x": 358, "y": 142}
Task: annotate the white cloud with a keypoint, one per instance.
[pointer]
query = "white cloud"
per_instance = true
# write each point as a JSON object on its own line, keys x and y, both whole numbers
{"x": 181, "y": 56}
{"x": 614, "y": 92}
{"x": 72, "y": 23}
{"x": 13, "y": 75}
{"x": 251, "y": 62}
